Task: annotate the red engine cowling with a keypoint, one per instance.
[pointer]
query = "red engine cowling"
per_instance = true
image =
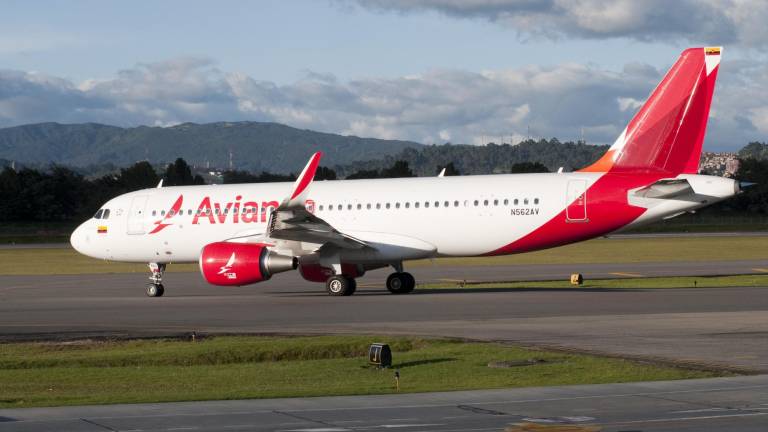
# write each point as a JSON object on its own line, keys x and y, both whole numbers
{"x": 317, "y": 273}
{"x": 235, "y": 264}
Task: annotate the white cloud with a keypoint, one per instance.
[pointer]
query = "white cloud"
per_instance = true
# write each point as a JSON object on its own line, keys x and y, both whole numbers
{"x": 716, "y": 21}
{"x": 434, "y": 106}
{"x": 628, "y": 103}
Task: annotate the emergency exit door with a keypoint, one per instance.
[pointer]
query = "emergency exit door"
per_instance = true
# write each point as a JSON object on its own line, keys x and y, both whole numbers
{"x": 576, "y": 201}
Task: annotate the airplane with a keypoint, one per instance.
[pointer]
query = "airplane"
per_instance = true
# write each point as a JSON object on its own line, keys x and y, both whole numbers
{"x": 333, "y": 232}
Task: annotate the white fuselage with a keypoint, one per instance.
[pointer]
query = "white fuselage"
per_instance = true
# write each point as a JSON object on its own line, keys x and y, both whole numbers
{"x": 407, "y": 218}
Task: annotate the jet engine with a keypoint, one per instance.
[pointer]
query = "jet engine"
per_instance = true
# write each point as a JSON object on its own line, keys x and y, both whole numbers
{"x": 236, "y": 264}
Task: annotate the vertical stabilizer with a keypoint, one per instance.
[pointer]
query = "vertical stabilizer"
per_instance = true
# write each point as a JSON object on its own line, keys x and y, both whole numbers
{"x": 667, "y": 132}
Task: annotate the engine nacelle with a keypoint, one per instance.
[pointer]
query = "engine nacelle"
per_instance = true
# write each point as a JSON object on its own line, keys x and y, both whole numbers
{"x": 235, "y": 264}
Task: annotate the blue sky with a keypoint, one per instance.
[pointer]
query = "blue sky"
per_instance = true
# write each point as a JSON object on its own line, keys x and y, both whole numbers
{"x": 429, "y": 71}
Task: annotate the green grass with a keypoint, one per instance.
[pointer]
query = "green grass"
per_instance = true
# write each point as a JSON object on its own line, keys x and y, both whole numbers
{"x": 51, "y": 374}
{"x": 623, "y": 283}
{"x": 630, "y": 250}
{"x": 621, "y": 250}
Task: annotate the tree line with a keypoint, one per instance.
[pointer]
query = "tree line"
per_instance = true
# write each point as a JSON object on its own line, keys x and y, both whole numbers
{"x": 60, "y": 194}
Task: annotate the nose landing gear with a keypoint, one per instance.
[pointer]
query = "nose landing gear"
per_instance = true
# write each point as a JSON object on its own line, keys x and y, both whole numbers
{"x": 155, "y": 288}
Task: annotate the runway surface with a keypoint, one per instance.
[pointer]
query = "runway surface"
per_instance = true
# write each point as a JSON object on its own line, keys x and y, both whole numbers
{"x": 720, "y": 327}
{"x": 719, "y": 404}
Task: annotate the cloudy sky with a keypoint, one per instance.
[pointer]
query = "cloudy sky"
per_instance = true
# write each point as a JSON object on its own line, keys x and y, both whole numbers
{"x": 431, "y": 71}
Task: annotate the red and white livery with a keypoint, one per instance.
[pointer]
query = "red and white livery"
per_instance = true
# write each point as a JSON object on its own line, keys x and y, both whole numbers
{"x": 335, "y": 231}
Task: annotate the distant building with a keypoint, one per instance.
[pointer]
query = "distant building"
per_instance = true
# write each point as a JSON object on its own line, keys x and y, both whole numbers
{"x": 721, "y": 164}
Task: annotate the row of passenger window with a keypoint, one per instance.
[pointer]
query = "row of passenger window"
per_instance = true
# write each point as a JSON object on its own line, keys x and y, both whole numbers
{"x": 427, "y": 204}
{"x": 368, "y": 206}
{"x": 199, "y": 212}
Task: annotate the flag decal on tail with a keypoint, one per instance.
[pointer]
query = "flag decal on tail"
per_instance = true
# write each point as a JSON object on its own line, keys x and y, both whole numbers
{"x": 712, "y": 50}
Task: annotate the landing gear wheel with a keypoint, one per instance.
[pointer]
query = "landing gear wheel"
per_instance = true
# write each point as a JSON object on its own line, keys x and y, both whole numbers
{"x": 155, "y": 290}
{"x": 340, "y": 285}
{"x": 401, "y": 283}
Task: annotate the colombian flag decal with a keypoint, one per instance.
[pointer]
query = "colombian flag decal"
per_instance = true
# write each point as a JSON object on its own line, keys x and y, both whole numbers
{"x": 102, "y": 229}
{"x": 712, "y": 51}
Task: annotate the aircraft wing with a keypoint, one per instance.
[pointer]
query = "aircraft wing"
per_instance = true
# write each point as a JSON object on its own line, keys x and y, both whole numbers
{"x": 292, "y": 222}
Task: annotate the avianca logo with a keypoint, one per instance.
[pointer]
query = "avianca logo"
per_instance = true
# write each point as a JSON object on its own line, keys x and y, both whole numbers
{"x": 172, "y": 212}
{"x": 237, "y": 211}
{"x": 227, "y": 267}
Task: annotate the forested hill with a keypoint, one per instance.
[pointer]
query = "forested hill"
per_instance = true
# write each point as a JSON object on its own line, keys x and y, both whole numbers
{"x": 491, "y": 158}
{"x": 255, "y": 146}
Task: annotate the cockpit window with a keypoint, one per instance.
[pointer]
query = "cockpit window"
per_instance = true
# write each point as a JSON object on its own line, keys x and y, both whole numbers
{"x": 105, "y": 215}
{"x": 98, "y": 214}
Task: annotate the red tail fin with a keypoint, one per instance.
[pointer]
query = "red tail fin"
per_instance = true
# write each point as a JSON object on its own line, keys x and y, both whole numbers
{"x": 667, "y": 133}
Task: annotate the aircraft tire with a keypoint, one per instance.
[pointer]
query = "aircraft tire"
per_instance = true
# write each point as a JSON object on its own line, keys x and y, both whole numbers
{"x": 155, "y": 290}
{"x": 400, "y": 283}
{"x": 340, "y": 285}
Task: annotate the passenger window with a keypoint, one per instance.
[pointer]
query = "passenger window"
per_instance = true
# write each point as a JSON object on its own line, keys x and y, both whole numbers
{"x": 437, "y": 203}
{"x": 485, "y": 203}
{"x": 426, "y": 204}
{"x": 535, "y": 200}
{"x": 476, "y": 203}
{"x": 349, "y": 206}
{"x": 516, "y": 201}
{"x": 525, "y": 201}
{"x": 495, "y": 202}
{"x": 506, "y": 202}
{"x": 407, "y": 205}
{"x": 162, "y": 213}
{"x": 397, "y": 205}
{"x": 446, "y": 204}
{"x": 416, "y": 204}
{"x": 154, "y": 212}
{"x": 378, "y": 206}
{"x": 189, "y": 212}
{"x": 321, "y": 207}
{"x": 359, "y": 206}
{"x": 368, "y": 206}
{"x": 387, "y": 205}
{"x": 339, "y": 207}
{"x": 455, "y": 203}
{"x": 106, "y": 214}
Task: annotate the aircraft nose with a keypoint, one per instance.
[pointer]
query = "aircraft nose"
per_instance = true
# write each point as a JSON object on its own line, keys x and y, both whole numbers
{"x": 79, "y": 239}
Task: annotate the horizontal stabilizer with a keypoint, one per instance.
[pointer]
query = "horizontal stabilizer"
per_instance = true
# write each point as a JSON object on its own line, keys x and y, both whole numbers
{"x": 666, "y": 189}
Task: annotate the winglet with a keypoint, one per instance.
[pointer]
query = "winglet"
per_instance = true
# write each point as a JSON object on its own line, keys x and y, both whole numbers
{"x": 301, "y": 186}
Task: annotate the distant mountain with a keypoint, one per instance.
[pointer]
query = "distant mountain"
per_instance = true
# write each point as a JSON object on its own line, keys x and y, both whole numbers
{"x": 491, "y": 158}
{"x": 255, "y": 146}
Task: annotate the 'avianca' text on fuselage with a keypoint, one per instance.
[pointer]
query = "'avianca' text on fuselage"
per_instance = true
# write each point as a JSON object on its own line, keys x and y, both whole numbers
{"x": 241, "y": 234}
{"x": 213, "y": 212}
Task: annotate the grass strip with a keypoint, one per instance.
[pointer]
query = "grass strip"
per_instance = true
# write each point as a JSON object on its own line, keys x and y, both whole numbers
{"x": 625, "y": 250}
{"x": 238, "y": 367}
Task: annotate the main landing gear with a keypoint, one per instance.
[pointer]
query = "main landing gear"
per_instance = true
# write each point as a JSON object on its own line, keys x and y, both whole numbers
{"x": 401, "y": 283}
{"x": 155, "y": 288}
{"x": 340, "y": 285}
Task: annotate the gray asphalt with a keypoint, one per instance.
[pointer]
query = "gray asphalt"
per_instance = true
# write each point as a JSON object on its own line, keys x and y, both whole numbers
{"x": 718, "y": 327}
{"x": 722, "y": 404}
